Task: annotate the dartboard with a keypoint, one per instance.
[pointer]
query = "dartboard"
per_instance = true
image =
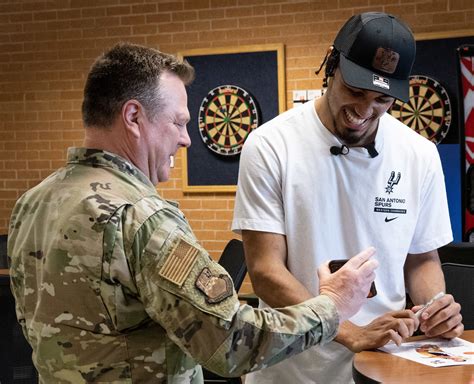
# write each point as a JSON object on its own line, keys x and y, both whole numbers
{"x": 428, "y": 111}
{"x": 226, "y": 117}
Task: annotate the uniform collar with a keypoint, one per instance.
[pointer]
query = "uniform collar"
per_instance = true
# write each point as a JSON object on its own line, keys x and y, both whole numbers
{"x": 100, "y": 158}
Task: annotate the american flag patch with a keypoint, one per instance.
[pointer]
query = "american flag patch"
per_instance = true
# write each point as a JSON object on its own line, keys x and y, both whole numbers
{"x": 179, "y": 263}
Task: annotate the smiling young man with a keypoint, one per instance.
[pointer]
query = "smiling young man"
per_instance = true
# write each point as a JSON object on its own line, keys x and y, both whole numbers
{"x": 335, "y": 175}
{"x": 352, "y": 114}
{"x": 110, "y": 283}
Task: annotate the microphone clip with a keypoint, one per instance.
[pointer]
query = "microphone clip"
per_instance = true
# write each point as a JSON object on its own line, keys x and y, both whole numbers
{"x": 342, "y": 150}
{"x": 371, "y": 149}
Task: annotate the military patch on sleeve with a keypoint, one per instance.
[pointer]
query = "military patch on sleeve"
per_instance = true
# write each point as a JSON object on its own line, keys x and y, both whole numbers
{"x": 215, "y": 287}
{"x": 179, "y": 263}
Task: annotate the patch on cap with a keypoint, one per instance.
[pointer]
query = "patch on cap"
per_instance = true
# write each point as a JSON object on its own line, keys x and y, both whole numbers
{"x": 215, "y": 287}
{"x": 179, "y": 263}
{"x": 381, "y": 82}
{"x": 385, "y": 60}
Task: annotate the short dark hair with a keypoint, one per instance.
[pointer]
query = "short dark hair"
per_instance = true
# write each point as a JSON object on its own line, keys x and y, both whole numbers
{"x": 125, "y": 72}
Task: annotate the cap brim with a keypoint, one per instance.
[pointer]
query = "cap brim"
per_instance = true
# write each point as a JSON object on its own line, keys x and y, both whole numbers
{"x": 360, "y": 77}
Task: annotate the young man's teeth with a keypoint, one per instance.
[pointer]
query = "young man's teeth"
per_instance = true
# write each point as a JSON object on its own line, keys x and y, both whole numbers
{"x": 353, "y": 119}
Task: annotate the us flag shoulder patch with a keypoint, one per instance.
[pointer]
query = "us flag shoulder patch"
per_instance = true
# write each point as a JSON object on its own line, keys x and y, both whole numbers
{"x": 179, "y": 263}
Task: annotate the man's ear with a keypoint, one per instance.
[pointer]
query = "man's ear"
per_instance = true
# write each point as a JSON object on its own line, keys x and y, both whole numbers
{"x": 131, "y": 113}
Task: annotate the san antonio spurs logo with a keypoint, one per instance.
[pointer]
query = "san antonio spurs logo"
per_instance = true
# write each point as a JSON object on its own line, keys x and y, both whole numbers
{"x": 392, "y": 181}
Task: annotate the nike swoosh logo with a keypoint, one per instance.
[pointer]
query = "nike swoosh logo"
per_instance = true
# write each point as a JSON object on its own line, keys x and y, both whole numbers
{"x": 387, "y": 220}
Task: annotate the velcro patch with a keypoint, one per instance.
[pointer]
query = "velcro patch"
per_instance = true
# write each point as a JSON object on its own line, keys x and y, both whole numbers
{"x": 216, "y": 288}
{"x": 386, "y": 60}
{"x": 179, "y": 263}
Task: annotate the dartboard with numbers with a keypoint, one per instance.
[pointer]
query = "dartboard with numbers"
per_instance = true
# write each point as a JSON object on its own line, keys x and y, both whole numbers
{"x": 428, "y": 110}
{"x": 226, "y": 117}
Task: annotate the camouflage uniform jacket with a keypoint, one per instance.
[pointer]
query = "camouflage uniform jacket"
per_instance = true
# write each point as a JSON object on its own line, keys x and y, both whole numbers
{"x": 112, "y": 286}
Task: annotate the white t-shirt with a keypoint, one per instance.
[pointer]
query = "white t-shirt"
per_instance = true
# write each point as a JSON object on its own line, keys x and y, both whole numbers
{"x": 332, "y": 207}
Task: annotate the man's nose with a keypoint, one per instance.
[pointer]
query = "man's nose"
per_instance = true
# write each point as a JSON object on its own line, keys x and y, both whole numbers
{"x": 185, "y": 139}
{"x": 364, "y": 110}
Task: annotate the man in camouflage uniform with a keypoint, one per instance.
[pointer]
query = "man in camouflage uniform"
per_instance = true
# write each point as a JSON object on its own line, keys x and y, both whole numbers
{"x": 110, "y": 283}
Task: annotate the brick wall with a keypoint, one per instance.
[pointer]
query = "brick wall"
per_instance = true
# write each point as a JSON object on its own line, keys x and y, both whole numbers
{"x": 47, "y": 46}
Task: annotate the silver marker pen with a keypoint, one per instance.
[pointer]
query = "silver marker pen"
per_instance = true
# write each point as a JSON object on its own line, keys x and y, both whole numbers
{"x": 422, "y": 309}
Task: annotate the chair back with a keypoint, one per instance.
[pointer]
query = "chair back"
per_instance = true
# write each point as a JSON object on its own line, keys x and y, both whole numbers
{"x": 460, "y": 253}
{"x": 460, "y": 283}
{"x": 233, "y": 261}
{"x": 15, "y": 352}
{"x": 3, "y": 252}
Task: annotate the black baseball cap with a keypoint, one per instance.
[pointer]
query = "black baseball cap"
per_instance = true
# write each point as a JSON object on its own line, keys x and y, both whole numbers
{"x": 377, "y": 52}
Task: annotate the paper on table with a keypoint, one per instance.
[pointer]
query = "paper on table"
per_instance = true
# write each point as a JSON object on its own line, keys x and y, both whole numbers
{"x": 435, "y": 352}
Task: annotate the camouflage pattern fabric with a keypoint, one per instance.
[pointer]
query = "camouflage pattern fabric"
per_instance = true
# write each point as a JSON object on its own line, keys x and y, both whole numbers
{"x": 112, "y": 286}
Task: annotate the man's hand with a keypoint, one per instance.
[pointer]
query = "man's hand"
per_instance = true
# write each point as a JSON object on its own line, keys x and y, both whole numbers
{"x": 442, "y": 318}
{"x": 348, "y": 287}
{"x": 395, "y": 326}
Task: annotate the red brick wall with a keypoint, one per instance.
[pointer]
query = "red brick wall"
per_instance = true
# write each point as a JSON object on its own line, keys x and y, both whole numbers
{"x": 47, "y": 46}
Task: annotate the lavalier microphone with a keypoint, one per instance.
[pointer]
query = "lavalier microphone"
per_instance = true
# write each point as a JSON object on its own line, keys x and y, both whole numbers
{"x": 342, "y": 150}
